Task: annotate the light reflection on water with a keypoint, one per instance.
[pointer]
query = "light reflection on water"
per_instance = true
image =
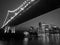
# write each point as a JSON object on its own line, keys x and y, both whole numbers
{"x": 43, "y": 39}
{"x": 25, "y": 41}
{"x": 3, "y": 42}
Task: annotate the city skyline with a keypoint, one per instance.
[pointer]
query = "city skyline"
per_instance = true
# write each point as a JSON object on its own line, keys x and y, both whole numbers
{"x": 51, "y": 18}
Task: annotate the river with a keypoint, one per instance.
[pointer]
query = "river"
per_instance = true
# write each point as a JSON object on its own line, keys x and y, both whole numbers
{"x": 53, "y": 39}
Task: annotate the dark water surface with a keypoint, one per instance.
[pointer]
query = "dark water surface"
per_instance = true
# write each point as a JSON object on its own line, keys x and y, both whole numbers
{"x": 53, "y": 39}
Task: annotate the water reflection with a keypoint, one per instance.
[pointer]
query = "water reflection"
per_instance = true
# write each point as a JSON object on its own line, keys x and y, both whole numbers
{"x": 43, "y": 39}
{"x": 3, "y": 42}
{"x": 25, "y": 41}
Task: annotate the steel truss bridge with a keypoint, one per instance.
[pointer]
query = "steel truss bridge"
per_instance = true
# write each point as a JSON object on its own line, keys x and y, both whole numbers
{"x": 27, "y": 10}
